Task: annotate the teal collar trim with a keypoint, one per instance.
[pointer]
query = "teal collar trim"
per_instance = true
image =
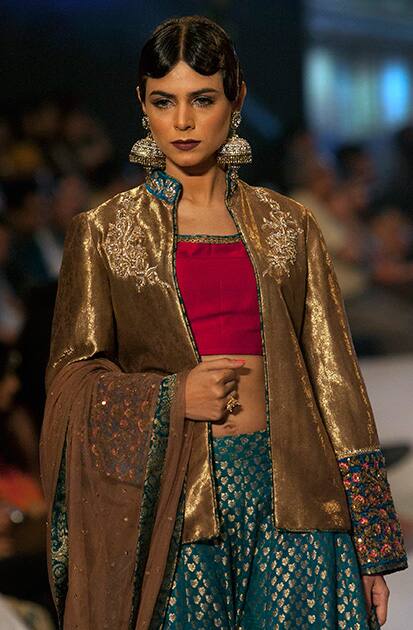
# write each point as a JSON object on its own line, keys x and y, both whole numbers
{"x": 163, "y": 186}
{"x": 167, "y": 188}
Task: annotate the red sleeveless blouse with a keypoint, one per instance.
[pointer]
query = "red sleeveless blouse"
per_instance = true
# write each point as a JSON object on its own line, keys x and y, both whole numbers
{"x": 217, "y": 283}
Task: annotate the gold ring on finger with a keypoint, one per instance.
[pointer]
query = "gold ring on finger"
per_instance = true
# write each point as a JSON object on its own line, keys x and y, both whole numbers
{"x": 231, "y": 404}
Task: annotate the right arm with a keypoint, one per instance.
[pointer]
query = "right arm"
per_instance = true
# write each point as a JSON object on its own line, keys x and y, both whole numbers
{"x": 83, "y": 326}
{"x": 109, "y": 438}
{"x": 83, "y": 322}
{"x": 110, "y": 434}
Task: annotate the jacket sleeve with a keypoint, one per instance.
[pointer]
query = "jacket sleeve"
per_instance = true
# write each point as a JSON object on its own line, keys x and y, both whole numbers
{"x": 83, "y": 323}
{"x": 110, "y": 441}
{"x": 342, "y": 399}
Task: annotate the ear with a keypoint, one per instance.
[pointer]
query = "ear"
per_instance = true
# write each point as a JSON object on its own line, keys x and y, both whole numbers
{"x": 142, "y": 104}
{"x": 241, "y": 97}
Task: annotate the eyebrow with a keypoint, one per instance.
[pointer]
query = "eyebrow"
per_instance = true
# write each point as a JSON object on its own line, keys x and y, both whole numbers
{"x": 196, "y": 93}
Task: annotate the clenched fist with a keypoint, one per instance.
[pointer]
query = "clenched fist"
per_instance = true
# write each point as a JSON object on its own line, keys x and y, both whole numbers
{"x": 209, "y": 386}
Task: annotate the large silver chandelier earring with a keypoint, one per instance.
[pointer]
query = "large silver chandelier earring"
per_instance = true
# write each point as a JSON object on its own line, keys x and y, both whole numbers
{"x": 146, "y": 152}
{"x": 236, "y": 150}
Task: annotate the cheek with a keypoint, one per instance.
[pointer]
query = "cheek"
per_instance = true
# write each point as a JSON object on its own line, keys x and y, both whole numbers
{"x": 215, "y": 128}
{"x": 161, "y": 128}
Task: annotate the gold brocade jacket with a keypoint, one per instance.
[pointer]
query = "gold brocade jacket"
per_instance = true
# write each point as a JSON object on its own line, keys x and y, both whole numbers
{"x": 328, "y": 471}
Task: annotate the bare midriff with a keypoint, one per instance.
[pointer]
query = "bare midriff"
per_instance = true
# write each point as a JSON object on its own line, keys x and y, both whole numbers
{"x": 250, "y": 415}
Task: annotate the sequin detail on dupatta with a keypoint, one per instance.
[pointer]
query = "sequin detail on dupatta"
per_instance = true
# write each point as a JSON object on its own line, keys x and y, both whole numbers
{"x": 376, "y": 530}
{"x": 120, "y": 427}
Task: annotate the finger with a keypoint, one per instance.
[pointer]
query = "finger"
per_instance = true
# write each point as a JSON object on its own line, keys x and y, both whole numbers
{"x": 227, "y": 377}
{"x": 367, "y": 585}
{"x": 230, "y": 375}
{"x": 222, "y": 363}
{"x": 220, "y": 377}
{"x": 381, "y": 612}
{"x": 230, "y": 386}
{"x": 380, "y": 598}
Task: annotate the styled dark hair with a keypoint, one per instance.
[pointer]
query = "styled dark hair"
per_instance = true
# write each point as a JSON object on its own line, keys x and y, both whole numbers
{"x": 197, "y": 40}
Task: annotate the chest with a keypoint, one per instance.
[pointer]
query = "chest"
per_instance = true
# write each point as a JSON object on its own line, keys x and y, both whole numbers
{"x": 141, "y": 252}
{"x": 218, "y": 287}
{"x": 204, "y": 220}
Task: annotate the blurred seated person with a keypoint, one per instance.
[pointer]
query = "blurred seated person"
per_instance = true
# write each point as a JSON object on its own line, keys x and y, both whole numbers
{"x": 19, "y": 489}
{"x": 19, "y": 155}
{"x": 16, "y": 614}
{"x": 23, "y": 568}
{"x": 26, "y": 212}
{"x": 33, "y": 345}
{"x": 11, "y": 307}
{"x": 392, "y": 232}
{"x": 374, "y": 273}
{"x": 298, "y": 149}
{"x": 355, "y": 164}
{"x": 87, "y": 145}
{"x": 39, "y": 228}
{"x": 333, "y": 206}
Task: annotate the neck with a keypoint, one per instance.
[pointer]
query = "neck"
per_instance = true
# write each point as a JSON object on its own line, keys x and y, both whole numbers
{"x": 202, "y": 186}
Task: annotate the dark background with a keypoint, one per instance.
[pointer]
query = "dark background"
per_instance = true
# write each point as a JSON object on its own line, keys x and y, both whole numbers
{"x": 88, "y": 51}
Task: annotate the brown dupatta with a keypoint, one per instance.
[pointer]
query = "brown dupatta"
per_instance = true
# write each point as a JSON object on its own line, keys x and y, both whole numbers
{"x": 114, "y": 452}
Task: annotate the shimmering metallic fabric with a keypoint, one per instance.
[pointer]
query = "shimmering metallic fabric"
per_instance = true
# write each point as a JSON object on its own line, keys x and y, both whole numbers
{"x": 130, "y": 310}
{"x": 376, "y": 528}
{"x": 282, "y": 232}
{"x": 254, "y": 576}
{"x": 126, "y": 251}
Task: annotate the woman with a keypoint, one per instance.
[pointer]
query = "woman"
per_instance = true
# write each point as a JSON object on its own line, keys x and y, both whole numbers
{"x": 209, "y": 453}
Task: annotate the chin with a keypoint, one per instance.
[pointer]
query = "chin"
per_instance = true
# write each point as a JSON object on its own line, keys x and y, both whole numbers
{"x": 193, "y": 161}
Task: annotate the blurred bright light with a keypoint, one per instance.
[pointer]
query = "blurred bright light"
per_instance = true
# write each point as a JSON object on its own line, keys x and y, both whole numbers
{"x": 351, "y": 95}
{"x": 395, "y": 91}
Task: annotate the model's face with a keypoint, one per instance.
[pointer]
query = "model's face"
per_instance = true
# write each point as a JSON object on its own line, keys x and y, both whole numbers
{"x": 185, "y": 105}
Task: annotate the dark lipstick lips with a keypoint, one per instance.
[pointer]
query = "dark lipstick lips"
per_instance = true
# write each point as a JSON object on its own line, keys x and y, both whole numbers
{"x": 186, "y": 145}
{"x": 189, "y": 140}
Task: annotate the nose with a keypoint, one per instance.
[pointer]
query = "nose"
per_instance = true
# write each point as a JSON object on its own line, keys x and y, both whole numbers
{"x": 183, "y": 118}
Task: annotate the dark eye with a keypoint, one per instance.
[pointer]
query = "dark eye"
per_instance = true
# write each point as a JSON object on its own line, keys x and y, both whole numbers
{"x": 203, "y": 101}
{"x": 162, "y": 103}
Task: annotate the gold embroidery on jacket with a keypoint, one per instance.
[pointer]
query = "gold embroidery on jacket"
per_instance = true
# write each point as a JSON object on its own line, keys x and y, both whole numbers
{"x": 125, "y": 246}
{"x": 282, "y": 238}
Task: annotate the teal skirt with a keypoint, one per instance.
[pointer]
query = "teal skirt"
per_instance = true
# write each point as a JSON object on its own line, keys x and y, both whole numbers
{"x": 256, "y": 576}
